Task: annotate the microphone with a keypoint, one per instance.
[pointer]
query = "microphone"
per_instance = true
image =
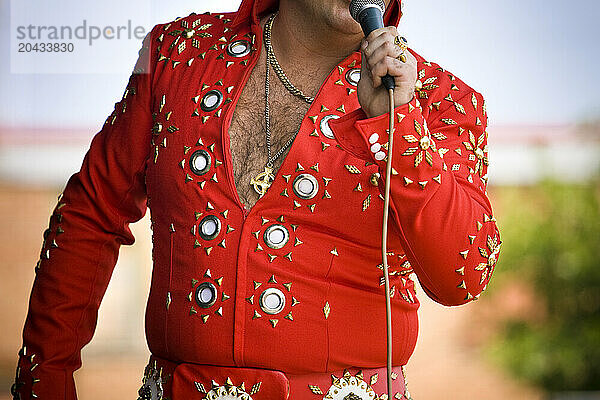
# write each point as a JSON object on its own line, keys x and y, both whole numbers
{"x": 369, "y": 14}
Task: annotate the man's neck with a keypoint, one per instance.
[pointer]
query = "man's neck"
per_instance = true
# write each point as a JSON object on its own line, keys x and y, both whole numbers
{"x": 300, "y": 40}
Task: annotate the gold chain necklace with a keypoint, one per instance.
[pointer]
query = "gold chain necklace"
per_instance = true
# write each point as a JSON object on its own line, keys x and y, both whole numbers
{"x": 263, "y": 180}
{"x": 275, "y": 64}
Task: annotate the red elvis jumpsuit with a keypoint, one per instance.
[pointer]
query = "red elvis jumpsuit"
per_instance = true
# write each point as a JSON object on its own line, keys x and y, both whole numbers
{"x": 280, "y": 296}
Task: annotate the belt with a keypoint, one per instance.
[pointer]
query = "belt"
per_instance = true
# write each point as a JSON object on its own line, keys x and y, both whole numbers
{"x": 166, "y": 380}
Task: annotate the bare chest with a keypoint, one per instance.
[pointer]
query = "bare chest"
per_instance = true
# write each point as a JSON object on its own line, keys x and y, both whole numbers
{"x": 247, "y": 133}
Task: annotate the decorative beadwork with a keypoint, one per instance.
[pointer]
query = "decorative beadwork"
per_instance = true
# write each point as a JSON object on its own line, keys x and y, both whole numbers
{"x": 207, "y": 296}
{"x": 152, "y": 384}
{"x": 228, "y": 391}
{"x": 272, "y": 299}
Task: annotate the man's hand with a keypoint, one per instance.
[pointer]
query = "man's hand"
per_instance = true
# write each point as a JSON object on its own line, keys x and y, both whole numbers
{"x": 378, "y": 59}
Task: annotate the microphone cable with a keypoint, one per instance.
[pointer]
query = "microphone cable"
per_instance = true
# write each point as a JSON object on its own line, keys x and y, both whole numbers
{"x": 384, "y": 234}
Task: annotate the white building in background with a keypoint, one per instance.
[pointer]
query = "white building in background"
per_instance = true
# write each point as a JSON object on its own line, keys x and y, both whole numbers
{"x": 523, "y": 155}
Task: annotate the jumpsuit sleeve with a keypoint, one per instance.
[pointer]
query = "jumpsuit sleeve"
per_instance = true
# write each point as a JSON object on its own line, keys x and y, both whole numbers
{"x": 80, "y": 247}
{"x": 438, "y": 185}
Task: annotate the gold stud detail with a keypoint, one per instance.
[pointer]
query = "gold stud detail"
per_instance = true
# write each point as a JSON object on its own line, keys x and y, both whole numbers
{"x": 326, "y": 310}
{"x": 366, "y": 203}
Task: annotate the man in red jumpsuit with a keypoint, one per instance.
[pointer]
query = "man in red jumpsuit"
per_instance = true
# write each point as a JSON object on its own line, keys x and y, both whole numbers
{"x": 258, "y": 141}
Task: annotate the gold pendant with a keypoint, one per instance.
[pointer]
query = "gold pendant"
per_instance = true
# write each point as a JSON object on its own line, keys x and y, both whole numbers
{"x": 262, "y": 181}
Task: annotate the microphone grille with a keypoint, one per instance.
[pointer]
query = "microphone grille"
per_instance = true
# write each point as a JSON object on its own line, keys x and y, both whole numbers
{"x": 357, "y": 6}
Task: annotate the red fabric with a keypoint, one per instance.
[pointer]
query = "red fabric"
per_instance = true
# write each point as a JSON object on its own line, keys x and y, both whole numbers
{"x": 329, "y": 271}
{"x": 184, "y": 381}
{"x": 273, "y": 384}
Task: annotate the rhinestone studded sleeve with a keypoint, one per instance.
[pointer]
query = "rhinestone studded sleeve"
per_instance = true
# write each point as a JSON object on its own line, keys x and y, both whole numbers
{"x": 438, "y": 188}
{"x": 81, "y": 244}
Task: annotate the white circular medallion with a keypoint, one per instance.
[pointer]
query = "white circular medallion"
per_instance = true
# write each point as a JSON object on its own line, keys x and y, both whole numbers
{"x": 206, "y": 294}
{"x": 324, "y": 126}
{"x": 209, "y": 227}
{"x": 200, "y": 161}
{"x": 353, "y": 76}
{"x": 276, "y": 236}
{"x": 239, "y": 48}
{"x": 211, "y": 100}
{"x": 305, "y": 186}
{"x": 272, "y": 301}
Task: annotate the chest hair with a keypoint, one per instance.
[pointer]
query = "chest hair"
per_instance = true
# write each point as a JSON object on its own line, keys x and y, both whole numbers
{"x": 247, "y": 131}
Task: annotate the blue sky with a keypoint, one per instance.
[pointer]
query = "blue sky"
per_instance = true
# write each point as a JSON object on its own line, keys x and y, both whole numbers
{"x": 535, "y": 61}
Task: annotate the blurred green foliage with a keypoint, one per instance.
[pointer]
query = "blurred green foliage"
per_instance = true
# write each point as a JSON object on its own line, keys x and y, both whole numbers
{"x": 551, "y": 239}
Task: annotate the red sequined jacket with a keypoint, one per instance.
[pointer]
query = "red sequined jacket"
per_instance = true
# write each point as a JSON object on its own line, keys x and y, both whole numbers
{"x": 295, "y": 283}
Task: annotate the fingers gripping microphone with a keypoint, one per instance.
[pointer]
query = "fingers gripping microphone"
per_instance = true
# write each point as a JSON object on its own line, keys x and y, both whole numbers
{"x": 369, "y": 14}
